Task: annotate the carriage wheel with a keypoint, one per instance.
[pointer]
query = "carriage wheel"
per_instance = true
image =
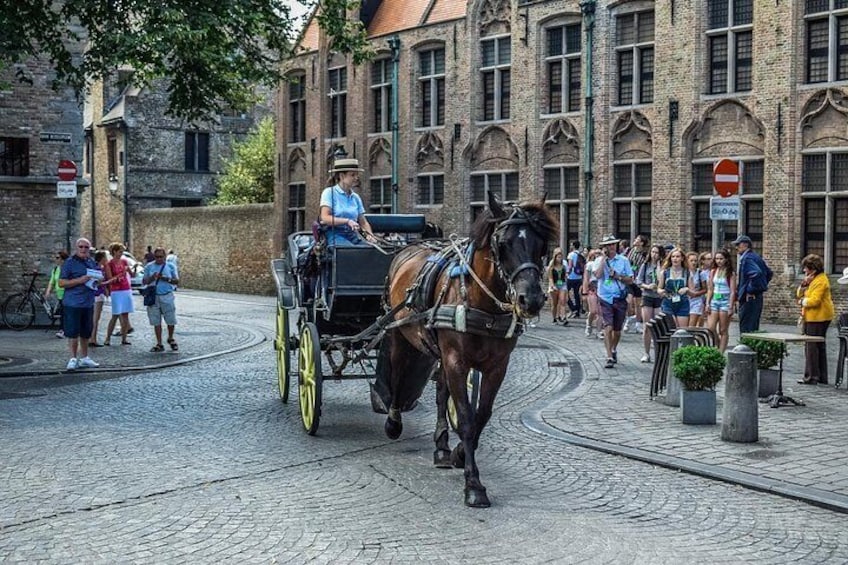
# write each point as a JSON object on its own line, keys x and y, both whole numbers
{"x": 310, "y": 379}
{"x": 473, "y": 384}
{"x": 282, "y": 346}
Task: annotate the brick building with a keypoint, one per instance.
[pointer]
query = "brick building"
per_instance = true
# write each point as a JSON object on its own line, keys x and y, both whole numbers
{"x": 39, "y": 127}
{"x": 136, "y": 157}
{"x": 492, "y": 94}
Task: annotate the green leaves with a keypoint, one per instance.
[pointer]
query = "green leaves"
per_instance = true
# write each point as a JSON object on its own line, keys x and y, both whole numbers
{"x": 248, "y": 176}
{"x": 216, "y": 53}
{"x": 698, "y": 367}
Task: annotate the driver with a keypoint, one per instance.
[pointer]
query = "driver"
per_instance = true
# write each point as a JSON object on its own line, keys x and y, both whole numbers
{"x": 342, "y": 211}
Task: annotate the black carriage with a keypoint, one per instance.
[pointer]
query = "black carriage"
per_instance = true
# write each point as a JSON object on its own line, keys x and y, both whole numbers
{"x": 329, "y": 305}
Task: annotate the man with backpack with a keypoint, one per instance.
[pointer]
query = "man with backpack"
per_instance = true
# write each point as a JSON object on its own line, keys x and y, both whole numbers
{"x": 753, "y": 280}
{"x": 575, "y": 267}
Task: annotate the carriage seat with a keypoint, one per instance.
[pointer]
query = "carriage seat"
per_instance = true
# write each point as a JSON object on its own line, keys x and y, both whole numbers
{"x": 397, "y": 223}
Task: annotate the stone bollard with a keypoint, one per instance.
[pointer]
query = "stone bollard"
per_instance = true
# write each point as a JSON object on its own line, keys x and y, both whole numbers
{"x": 679, "y": 338}
{"x": 740, "y": 417}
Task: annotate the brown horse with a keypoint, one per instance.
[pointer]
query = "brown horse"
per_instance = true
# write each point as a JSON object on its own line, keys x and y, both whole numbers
{"x": 470, "y": 320}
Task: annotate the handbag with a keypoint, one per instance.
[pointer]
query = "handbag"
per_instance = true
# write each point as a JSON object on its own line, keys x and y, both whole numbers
{"x": 149, "y": 292}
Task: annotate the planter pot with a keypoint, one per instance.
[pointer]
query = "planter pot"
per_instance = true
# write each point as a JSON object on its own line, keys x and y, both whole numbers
{"x": 769, "y": 379}
{"x": 698, "y": 406}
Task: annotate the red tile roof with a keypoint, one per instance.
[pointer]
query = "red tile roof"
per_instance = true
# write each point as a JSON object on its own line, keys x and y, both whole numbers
{"x": 444, "y": 10}
{"x": 397, "y": 15}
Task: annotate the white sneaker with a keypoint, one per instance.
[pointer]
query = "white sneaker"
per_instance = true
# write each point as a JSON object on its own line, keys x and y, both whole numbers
{"x": 601, "y": 334}
{"x": 88, "y": 363}
{"x": 60, "y": 334}
{"x": 588, "y": 331}
{"x": 645, "y": 358}
{"x": 639, "y": 328}
{"x": 73, "y": 364}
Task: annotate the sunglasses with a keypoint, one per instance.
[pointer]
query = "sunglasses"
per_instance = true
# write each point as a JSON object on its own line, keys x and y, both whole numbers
{"x": 84, "y": 246}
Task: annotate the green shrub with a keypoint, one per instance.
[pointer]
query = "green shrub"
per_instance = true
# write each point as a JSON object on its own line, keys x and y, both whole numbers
{"x": 698, "y": 367}
{"x": 769, "y": 353}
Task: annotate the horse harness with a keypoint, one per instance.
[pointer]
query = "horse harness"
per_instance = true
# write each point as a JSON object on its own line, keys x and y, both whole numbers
{"x": 455, "y": 256}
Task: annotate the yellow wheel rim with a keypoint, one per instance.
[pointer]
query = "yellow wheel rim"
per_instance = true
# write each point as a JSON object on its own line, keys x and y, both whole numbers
{"x": 309, "y": 379}
{"x": 282, "y": 348}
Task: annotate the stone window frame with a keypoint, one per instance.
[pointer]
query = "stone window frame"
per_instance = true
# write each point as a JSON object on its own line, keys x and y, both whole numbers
{"x": 383, "y": 204}
{"x": 433, "y": 198}
{"x": 832, "y": 17}
{"x": 296, "y": 93}
{"x": 568, "y": 62}
{"x": 834, "y": 213}
{"x": 507, "y": 193}
{"x": 432, "y": 115}
{"x": 751, "y": 213}
{"x": 564, "y": 203}
{"x": 14, "y": 156}
{"x": 381, "y": 95}
{"x": 501, "y": 78}
{"x": 636, "y": 204}
{"x": 639, "y": 80}
{"x": 734, "y": 37}
{"x": 337, "y": 100}
{"x": 196, "y": 152}
{"x": 296, "y": 207}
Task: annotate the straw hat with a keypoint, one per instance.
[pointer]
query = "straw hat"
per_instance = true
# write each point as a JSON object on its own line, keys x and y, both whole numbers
{"x": 609, "y": 239}
{"x": 844, "y": 278}
{"x": 345, "y": 166}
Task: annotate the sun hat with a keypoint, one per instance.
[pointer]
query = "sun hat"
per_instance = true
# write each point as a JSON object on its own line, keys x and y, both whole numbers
{"x": 345, "y": 166}
{"x": 609, "y": 239}
{"x": 742, "y": 239}
{"x": 844, "y": 278}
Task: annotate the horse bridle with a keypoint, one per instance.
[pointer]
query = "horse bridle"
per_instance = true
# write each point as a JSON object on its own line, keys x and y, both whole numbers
{"x": 517, "y": 218}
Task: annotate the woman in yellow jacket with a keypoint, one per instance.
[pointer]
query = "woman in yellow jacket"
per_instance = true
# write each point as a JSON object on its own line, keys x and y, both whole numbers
{"x": 817, "y": 312}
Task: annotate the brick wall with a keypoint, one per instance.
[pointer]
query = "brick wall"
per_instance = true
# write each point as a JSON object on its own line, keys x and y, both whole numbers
{"x": 221, "y": 248}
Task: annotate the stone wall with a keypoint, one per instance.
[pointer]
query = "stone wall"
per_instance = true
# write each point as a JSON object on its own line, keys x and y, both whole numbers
{"x": 220, "y": 248}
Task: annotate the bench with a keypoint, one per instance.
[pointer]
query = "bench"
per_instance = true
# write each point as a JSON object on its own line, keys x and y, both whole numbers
{"x": 662, "y": 327}
{"x": 842, "y": 357}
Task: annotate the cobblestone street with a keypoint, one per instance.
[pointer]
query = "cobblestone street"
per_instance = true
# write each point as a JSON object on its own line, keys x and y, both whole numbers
{"x": 201, "y": 462}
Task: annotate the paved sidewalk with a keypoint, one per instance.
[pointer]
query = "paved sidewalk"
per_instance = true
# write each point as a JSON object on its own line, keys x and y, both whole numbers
{"x": 37, "y": 351}
{"x": 802, "y": 451}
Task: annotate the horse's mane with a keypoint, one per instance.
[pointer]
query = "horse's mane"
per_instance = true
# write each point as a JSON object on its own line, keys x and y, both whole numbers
{"x": 539, "y": 217}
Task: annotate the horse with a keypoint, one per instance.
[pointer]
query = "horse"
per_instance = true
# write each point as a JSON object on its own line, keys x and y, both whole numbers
{"x": 470, "y": 320}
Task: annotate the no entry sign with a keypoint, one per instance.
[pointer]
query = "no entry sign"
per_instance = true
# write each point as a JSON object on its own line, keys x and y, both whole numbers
{"x": 726, "y": 177}
{"x": 67, "y": 170}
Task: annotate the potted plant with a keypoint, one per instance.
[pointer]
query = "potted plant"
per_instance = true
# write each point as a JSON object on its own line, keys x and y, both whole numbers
{"x": 769, "y": 354}
{"x": 699, "y": 369}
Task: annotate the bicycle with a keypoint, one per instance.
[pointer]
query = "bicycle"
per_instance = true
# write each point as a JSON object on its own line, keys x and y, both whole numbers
{"x": 19, "y": 308}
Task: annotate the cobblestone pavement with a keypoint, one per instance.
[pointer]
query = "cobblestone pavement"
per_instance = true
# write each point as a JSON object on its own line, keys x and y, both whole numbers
{"x": 201, "y": 462}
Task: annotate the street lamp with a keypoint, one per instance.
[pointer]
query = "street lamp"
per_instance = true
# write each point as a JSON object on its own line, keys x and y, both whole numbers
{"x": 113, "y": 184}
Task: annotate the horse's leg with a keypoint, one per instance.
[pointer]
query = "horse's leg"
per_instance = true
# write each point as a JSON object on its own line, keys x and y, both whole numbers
{"x": 442, "y": 454}
{"x": 397, "y": 347}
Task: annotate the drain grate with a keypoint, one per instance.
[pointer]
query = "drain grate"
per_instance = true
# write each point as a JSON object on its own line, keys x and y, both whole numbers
{"x": 764, "y": 454}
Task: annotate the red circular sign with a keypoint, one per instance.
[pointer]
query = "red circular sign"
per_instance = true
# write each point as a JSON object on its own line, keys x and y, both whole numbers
{"x": 726, "y": 177}
{"x": 67, "y": 170}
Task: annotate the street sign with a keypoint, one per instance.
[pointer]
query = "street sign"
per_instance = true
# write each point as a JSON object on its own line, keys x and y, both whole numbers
{"x": 54, "y": 137}
{"x": 724, "y": 208}
{"x": 67, "y": 170}
{"x": 726, "y": 177}
{"x": 66, "y": 189}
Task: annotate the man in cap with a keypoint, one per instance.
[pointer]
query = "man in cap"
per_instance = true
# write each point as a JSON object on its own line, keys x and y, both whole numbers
{"x": 754, "y": 276}
{"x": 79, "y": 279}
{"x": 614, "y": 275}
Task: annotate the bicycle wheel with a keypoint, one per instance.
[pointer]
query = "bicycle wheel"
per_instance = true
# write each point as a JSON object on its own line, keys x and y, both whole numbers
{"x": 19, "y": 311}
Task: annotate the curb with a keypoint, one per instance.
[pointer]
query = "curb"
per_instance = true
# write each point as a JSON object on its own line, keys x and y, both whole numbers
{"x": 532, "y": 419}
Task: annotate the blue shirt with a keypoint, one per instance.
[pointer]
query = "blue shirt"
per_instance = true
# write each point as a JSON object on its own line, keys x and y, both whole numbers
{"x": 572, "y": 276}
{"x": 169, "y": 272}
{"x": 609, "y": 289}
{"x": 342, "y": 205}
{"x": 79, "y": 296}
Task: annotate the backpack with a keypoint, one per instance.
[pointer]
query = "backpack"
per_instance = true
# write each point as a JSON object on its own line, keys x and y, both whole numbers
{"x": 579, "y": 265}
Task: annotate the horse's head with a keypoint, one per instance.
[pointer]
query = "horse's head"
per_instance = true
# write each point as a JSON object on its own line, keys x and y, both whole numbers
{"x": 519, "y": 238}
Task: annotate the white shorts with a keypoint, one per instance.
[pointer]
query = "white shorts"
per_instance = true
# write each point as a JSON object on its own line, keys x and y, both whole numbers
{"x": 696, "y": 306}
{"x": 122, "y": 302}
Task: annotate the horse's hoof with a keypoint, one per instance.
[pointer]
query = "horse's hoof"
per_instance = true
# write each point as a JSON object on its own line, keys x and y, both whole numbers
{"x": 457, "y": 457}
{"x": 442, "y": 459}
{"x": 393, "y": 428}
{"x": 476, "y": 498}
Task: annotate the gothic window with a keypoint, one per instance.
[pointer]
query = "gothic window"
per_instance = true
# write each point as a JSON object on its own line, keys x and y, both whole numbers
{"x": 14, "y": 156}
{"x": 562, "y": 183}
{"x": 381, "y": 94}
{"x": 632, "y": 192}
{"x": 431, "y": 189}
{"x": 496, "y": 54}
{"x": 827, "y": 40}
{"x": 297, "y": 108}
{"x": 730, "y": 45}
{"x": 296, "y": 207}
{"x": 196, "y": 151}
{"x": 431, "y": 81}
{"x": 338, "y": 101}
{"x": 381, "y": 195}
{"x": 562, "y": 61}
{"x": 503, "y": 184}
{"x": 634, "y": 46}
{"x": 824, "y": 188}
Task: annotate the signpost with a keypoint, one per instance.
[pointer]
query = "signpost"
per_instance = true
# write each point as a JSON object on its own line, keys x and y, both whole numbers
{"x": 724, "y": 208}
{"x": 67, "y": 185}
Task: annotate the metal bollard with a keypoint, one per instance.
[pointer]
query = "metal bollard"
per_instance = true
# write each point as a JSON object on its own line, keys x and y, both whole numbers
{"x": 740, "y": 417}
{"x": 679, "y": 338}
